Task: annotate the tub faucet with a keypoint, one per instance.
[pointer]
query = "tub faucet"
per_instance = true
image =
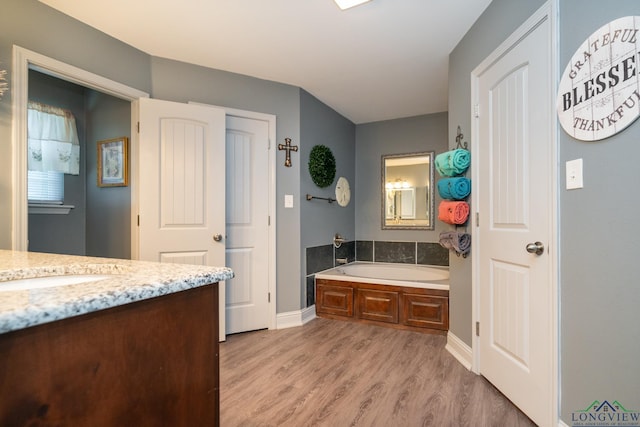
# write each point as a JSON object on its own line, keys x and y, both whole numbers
{"x": 338, "y": 240}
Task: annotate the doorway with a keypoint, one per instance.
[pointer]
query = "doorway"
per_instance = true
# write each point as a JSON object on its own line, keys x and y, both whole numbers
{"x": 92, "y": 220}
{"x": 23, "y": 61}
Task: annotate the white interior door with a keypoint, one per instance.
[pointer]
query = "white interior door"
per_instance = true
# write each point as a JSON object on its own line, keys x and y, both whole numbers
{"x": 514, "y": 168}
{"x": 247, "y": 227}
{"x": 181, "y": 170}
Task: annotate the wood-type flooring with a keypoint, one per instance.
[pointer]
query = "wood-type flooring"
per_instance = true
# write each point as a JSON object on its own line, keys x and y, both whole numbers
{"x": 333, "y": 373}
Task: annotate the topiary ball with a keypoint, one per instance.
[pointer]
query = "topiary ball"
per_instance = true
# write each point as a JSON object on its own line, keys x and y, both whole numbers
{"x": 322, "y": 166}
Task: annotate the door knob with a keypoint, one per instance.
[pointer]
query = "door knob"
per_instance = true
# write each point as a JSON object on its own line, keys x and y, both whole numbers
{"x": 535, "y": 248}
{"x": 217, "y": 237}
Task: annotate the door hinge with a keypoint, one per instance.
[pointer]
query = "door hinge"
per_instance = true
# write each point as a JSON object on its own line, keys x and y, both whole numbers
{"x": 477, "y": 219}
{"x": 138, "y": 127}
{"x": 268, "y": 296}
{"x": 268, "y": 219}
{"x": 476, "y": 110}
{"x": 477, "y": 329}
{"x": 138, "y": 220}
{"x": 268, "y": 144}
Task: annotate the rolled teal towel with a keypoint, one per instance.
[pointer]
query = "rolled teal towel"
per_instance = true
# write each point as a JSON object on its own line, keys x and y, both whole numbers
{"x": 454, "y": 162}
{"x": 454, "y": 188}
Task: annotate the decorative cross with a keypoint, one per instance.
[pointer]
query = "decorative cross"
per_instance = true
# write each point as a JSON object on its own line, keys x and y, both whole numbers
{"x": 289, "y": 148}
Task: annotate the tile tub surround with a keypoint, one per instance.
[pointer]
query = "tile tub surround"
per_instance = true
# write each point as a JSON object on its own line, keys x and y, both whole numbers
{"x": 132, "y": 281}
{"x": 396, "y": 252}
{"x": 311, "y": 290}
{"x": 432, "y": 254}
{"x": 426, "y": 253}
{"x": 319, "y": 258}
{"x": 364, "y": 250}
{"x": 346, "y": 250}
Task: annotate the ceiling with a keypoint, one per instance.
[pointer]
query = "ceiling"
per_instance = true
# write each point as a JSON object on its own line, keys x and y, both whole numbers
{"x": 383, "y": 60}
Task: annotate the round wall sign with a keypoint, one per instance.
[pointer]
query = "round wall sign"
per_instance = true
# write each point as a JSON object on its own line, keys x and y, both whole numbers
{"x": 599, "y": 94}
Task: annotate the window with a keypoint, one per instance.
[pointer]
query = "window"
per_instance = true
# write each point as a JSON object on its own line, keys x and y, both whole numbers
{"x": 53, "y": 151}
{"x": 45, "y": 187}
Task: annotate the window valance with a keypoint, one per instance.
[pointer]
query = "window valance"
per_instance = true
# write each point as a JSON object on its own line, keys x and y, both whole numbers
{"x": 53, "y": 144}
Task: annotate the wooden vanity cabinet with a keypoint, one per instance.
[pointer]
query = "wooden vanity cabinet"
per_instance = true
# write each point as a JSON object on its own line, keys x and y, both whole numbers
{"x": 147, "y": 363}
{"x": 425, "y": 310}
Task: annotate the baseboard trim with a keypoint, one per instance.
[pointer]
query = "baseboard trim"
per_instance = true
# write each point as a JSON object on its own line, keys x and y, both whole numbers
{"x": 308, "y": 314}
{"x": 291, "y": 319}
{"x": 461, "y": 351}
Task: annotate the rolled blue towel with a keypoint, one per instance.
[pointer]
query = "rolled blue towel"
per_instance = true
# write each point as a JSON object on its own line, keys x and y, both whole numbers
{"x": 454, "y": 188}
{"x": 454, "y": 162}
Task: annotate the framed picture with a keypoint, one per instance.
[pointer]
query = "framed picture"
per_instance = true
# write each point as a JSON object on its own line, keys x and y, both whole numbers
{"x": 113, "y": 162}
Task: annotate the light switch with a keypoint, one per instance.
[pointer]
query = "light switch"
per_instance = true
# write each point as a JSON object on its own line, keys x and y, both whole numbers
{"x": 288, "y": 200}
{"x": 574, "y": 174}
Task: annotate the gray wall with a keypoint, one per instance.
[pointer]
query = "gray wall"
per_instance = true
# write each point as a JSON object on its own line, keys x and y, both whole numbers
{"x": 108, "y": 208}
{"x": 599, "y": 269}
{"x": 55, "y": 233}
{"x": 226, "y": 89}
{"x": 399, "y": 136}
{"x": 319, "y": 220}
{"x": 35, "y": 26}
{"x": 498, "y": 21}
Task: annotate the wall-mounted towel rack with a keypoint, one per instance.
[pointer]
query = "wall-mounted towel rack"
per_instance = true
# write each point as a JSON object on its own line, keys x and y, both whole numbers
{"x": 459, "y": 142}
{"x": 328, "y": 199}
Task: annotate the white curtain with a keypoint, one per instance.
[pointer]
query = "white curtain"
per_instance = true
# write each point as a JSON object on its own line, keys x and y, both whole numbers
{"x": 53, "y": 144}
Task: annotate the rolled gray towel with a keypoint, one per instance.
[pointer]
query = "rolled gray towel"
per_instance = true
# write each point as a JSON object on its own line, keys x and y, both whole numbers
{"x": 447, "y": 239}
{"x": 462, "y": 243}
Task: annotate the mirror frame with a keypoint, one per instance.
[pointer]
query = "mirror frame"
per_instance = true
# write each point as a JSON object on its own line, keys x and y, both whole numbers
{"x": 431, "y": 192}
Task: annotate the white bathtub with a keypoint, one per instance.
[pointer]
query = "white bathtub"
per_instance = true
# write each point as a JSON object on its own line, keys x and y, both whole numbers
{"x": 409, "y": 275}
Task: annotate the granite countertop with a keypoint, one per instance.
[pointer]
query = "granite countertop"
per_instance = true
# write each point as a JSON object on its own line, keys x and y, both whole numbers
{"x": 132, "y": 281}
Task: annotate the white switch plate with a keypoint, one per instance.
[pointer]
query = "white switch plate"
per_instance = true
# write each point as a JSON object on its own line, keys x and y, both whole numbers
{"x": 288, "y": 200}
{"x": 574, "y": 174}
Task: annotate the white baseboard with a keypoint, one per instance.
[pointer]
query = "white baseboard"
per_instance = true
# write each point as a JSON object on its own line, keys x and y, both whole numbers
{"x": 291, "y": 319}
{"x": 308, "y": 314}
{"x": 461, "y": 351}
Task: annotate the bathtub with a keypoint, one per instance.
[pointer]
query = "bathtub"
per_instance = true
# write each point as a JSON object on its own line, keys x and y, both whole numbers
{"x": 406, "y": 275}
{"x": 401, "y": 296}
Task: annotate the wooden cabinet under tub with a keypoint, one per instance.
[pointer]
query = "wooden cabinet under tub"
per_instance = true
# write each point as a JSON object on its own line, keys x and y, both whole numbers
{"x": 418, "y": 309}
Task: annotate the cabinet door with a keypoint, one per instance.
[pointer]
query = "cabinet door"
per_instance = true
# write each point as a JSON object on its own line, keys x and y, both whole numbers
{"x": 336, "y": 300}
{"x": 425, "y": 311}
{"x": 381, "y": 306}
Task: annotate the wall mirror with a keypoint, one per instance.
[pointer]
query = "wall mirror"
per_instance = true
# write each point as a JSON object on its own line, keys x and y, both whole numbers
{"x": 407, "y": 191}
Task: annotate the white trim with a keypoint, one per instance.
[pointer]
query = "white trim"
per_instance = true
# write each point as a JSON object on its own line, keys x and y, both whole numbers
{"x": 547, "y": 11}
{"x": 292, "y": 319}
{"x": 460, "y": 350}
{"x": 554, "y": 241}
{"x": 308, "y": 314}
{"x": 271, "y": 277}
{"x": 23, "y": 60}
{"x": 562, "y": 424}
{"x": 49, "y": 209}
